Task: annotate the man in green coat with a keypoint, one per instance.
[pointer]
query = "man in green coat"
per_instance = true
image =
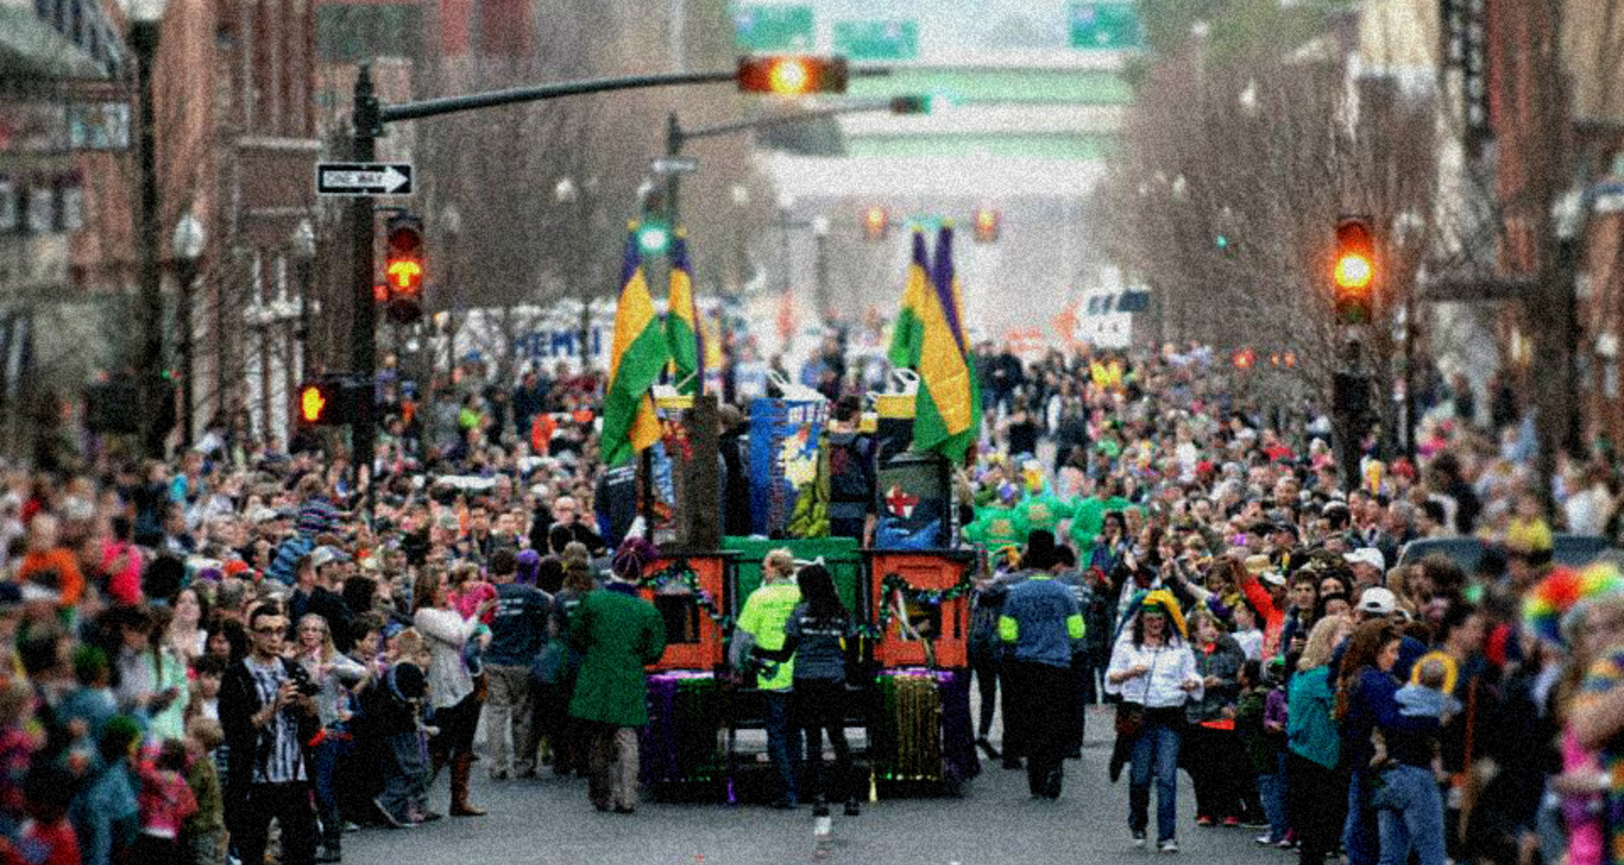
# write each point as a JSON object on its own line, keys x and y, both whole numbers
{"x": 617, "y": 634}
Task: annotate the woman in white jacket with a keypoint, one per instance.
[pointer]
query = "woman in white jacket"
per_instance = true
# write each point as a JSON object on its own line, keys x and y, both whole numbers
{"x": 1154, "y": 671}
{"x": 451, "y": 688}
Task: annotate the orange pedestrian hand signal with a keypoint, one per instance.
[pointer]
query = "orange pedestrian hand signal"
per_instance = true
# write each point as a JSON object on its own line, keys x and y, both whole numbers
{"x": 311, "y": 403}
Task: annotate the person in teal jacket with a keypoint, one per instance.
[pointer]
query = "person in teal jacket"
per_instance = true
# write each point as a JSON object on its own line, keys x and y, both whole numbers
{"x": 1317, "y": 791}
{"x": 617, "y": 634}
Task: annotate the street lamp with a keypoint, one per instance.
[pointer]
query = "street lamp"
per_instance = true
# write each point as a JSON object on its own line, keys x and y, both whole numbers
{"x": 187, "y": 245}
{"x": 304, "y": 253}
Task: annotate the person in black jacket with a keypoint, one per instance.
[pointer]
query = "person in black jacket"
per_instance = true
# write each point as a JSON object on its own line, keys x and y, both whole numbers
{"x": 267, "y": 718}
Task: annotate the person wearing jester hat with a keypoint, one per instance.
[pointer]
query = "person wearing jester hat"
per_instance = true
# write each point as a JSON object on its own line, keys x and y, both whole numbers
{"x": 1153, "y": 670}
{"x": 1583, "y": 611}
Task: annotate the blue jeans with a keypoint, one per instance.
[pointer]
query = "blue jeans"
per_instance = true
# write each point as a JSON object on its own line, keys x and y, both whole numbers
{"x": 403, "y": 780}
{"x": 782, "y": 749}
{"x": 1272, "y": 790}
{"x": 1360, "y": 836}
{"x": 325, "y": 757}
{"x": 1410, "y": 814}
{"x": 1155, "y": 751}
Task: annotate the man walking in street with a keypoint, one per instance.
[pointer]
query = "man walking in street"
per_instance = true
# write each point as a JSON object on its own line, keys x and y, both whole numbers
{"x": 518, "y": 632}
{"x": 1042, "y": 629}
{"x": 267, "y": 717}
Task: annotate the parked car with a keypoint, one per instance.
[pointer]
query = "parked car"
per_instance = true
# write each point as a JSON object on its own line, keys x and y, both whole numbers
{"x": 1573, "y": 550}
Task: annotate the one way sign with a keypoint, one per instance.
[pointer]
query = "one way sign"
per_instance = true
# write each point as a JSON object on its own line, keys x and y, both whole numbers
{"x": 355, "y": 178}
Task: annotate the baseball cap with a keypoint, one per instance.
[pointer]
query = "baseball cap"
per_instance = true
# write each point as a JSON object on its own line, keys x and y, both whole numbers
{"x": 326, "y": 556}
{"x": 1377, "y": 601}
{"x": 1367, "y": 556}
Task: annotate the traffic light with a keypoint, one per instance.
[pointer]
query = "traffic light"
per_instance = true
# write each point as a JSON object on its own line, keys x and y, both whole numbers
{"x": 917, "y": 104}
{"x": 1353, "y": 276}
{"x": 792, "y": 75}
{"x": 403, "y": 268}
{"x": 987, "y": 221}
{"x": 876, "y": 224}
{"x": 1244, "y": 359}
{"x": 654, "y": 237}
{"x": 332, "y": 400}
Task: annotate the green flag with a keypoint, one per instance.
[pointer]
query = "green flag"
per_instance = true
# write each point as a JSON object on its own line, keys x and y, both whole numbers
{"x": 636, "y": 357}
{"x": 906, "y": 333}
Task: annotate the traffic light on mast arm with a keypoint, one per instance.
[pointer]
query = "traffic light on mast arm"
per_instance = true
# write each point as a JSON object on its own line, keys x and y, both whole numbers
{"x": 404, "y": 268}
{"x": 1353, "y": 275}
{"x": 876, "y": 224}
{"x": 987, "y": 222}
{"x": 792, "y": 74}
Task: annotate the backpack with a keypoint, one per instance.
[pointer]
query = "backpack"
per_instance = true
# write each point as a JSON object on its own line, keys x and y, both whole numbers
{"x": 851, "y": 458}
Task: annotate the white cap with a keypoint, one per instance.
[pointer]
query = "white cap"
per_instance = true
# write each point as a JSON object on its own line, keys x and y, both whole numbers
{"x": 1377, "y": 601}
{"x": 1367, "y": 556}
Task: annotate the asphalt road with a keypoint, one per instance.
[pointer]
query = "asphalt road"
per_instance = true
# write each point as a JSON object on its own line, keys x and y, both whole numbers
{"x": 548, "y": 820}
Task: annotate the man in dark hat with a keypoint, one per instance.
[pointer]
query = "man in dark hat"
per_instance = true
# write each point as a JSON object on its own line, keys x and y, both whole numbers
{"x": 1041, "y": 629}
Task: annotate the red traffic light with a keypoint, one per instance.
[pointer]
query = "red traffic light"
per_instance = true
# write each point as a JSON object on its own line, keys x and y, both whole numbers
{"x": 792, "y": 75}
{"x": 987, "y": 221}
{"x": 1353, "y": 272}
{"x": 404, "y": 268}
{"x": 876, "y": 223}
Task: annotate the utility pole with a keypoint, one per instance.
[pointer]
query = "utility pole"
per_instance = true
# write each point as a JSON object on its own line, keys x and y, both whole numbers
{"x": 150, "y": 362}
{"x": 364, "y": 322}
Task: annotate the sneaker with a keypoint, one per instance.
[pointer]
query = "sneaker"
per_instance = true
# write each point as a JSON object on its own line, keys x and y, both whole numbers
{"x": 1232, "y": 822}
{"x": 388, "y": 818}
{"x": 1203, "y": 820}
{"x": 1168, "y": 846}
{"x": 351, "y": 827}
{"x": 1139, "y": 839}
{"x": 1285, "y": 844}
{"x": 1263, "y": 841}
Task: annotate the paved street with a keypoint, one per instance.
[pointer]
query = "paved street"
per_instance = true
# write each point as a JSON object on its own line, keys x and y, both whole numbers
{"x": 550, "y": 821}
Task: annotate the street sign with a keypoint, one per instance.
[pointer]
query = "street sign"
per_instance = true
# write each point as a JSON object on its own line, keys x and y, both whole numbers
{"x": 1104, "y": 24}
{"x": 877, "y": 40}
{"x": 767, "y": 29}
{"x": 667, "y": 165}
{"x": 353, "y": 178}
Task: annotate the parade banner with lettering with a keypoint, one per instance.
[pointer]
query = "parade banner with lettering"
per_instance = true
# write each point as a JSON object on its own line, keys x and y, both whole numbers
{"x": 783, "y": 457}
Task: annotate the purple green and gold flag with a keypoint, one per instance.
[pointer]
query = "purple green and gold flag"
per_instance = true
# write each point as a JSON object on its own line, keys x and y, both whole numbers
{"x": 682, "y": 333}
{"x": 945, "y": 416}
{"x": 905, "y": 333}
{"x": 637, "y": 355}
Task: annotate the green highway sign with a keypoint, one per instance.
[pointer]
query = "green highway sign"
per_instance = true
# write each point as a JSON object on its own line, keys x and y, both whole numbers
{"x": 1107, "y": 24}
{"x": 877, "y": 40}
{"x": 767, "y": 29}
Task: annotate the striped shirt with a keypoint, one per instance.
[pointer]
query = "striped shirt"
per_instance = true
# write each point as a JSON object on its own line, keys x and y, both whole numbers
{"x": 282, "y": 762}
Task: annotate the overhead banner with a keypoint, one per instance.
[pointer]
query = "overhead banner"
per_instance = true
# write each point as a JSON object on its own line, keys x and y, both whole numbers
{"x": 783, "y": 457}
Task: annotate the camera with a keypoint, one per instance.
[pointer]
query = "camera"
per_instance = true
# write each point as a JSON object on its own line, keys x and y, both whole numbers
{"x": 302, "y": 681}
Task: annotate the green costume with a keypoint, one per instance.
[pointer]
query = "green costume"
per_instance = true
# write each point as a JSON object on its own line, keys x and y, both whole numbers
{"x": 1088, "y": 519}
{"x": 617, "y": 635}
{"x": 1044, "y": 511}
{"x": 996, "y": 528}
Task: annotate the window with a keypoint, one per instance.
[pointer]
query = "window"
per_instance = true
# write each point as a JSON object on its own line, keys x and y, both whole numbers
{"x": 41, "y": 209}
{"x": 10, "y": 217}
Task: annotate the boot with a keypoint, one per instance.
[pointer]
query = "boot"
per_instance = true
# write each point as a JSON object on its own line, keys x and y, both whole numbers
{"x": 461, "y": 766}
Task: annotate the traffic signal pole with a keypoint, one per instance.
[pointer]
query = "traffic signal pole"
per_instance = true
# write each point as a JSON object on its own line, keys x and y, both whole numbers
{"x": 364, "y": 319}
{"x": 368, "y": 117}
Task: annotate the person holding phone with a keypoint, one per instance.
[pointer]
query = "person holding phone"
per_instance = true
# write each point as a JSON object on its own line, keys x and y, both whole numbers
{"x": 456, "y": 704}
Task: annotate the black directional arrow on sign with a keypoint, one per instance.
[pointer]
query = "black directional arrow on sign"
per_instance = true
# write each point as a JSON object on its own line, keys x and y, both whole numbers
{"x": 353, "y": 178}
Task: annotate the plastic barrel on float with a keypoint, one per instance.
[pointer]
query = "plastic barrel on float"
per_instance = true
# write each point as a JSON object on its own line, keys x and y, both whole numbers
{"x": 682, "y": 744}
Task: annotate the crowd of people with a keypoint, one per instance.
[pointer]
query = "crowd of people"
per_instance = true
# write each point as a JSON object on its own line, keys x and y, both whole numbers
{"x": 198, "y": 652}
